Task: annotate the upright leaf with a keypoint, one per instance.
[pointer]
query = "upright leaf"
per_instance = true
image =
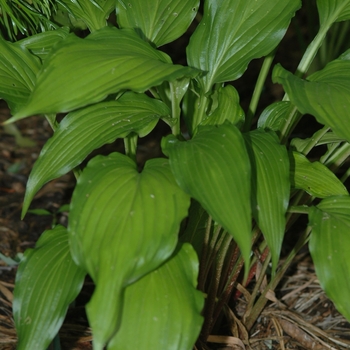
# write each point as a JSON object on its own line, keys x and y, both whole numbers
{"x": 87, "y": 129}
{"x": 329, "y": 248}
{"x": 123, "y": 224}
{"x": 18, "y": 70}
{"x": 158, "y": 21}
{"x": 331, "y": 11}
{"x": 326, "y": 95}
{"x": 214, "y": 168}
{"x": 84, "y": 71}
{"x": 270, "y": 187}
{"x": 47, "y": 281}
{"x": 233, "y": 32}
{"x": 171, "y": 306}
{"x": 93, "y": 12}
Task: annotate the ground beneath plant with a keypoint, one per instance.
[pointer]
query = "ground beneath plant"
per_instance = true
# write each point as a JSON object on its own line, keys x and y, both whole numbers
{"x": 298, "y": 315}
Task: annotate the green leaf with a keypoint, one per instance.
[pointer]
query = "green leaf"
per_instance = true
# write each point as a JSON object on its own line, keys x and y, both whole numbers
{"x": 270, "y": 187}
{"x": 41, "y": 44}
{"x": 158, "y": 21}
{"x": 214, "y": 168}
{"x": 84, "y": 71}
{"x": 314, "y": 178}
{"x": 18, "y": 70}
{"x": 331, "y": 11}
{"x": 93, "y": 12}
{"x": 326, "y": 96}
{"x": 227, "y": 109}
{"x": 233, "y": 32}
{"x": 123, "y": 224}
{"x": 274, "y": 115}
{"x": 87, "y": 129}
{"x": 47, "y": 281}
{"x": 329, "y": 248}
{"x": 170, "y": 318}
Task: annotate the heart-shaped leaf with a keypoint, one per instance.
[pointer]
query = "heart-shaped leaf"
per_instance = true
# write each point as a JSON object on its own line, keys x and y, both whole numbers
{"x": 270, "y": 187}
{"x": 329, "y": 248}
{"x": 47, "y": 281}
{"x": 326, "y": 96}
{"x": 158, "y": 21}
{"x": 87, "y": 129}
{"x": 233, "y": 32}
{"x": 123, "y": 224}
{"x": 84, "y": 71}
{"x": 214, "y": 168}
{"x": 171, "y": 306}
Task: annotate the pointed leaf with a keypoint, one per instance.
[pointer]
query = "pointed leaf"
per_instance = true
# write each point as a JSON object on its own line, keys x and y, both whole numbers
{"x": 47, "y": 281}
{"x": 331, "y": 11}
{"x": 158, "y": 21}
{"x": 228, "y": 108}
{"x": 171, "y": 306}
{"x": 329, "y": 248}
{"x": 326, "y": 96}
{"x": 87, "y": 129}
{"x": 18, "y": 70}
{"x": 314, "y": 178}
{"x": 85, "y": 71}
{"x": 233, "y": 32}
{"x": 123, "y": 224}
{"x": 214, "y": 169}
{"x": 270, "y": 187}
{"x": 93, "y": 12}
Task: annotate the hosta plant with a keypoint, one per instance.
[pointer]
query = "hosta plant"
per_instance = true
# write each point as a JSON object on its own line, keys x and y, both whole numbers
{"x": 167, "y": 242}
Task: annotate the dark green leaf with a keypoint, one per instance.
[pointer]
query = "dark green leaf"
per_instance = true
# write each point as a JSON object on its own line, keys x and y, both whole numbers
{"x": 170, "y": 318}
{"x": 214, "y": 168}
{"x": 123, "y": 224}
{"x": 314, "y": 178}
{"x": 329, "y": 247}
{"x": 84, "y": 71}
{"x": 270, "y": 187}
{"x": 274, "y": 115}
{"x": 47, "y": 281}
{"x": 233, "y": 32}
{"x": 158, "y": 21}
{"x": 82, "y": 131}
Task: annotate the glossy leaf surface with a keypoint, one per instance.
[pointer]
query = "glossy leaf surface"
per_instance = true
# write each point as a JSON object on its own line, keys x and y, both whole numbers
{"x": 273, "y": 116}
{"x": 171, "y": 306}
{"x": 47, "y": 281}
{"x": 214, "y": 168}
{"x": 270, "y": 187}
{"x": 84, "y": 71}
{"x": 314, "y": 178}
{"x": 233, "y": 32}
{"x": 326, "y": 96}
{"x": 331, "y": 11}
{"x": 157, "y": 21}
{"x": 329, "y": 247}
{"x": 93, "y": 12}
{"x": 123, "y": 224}
{"x": 18, "y": 71}
{"x": 87, "y": 129}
